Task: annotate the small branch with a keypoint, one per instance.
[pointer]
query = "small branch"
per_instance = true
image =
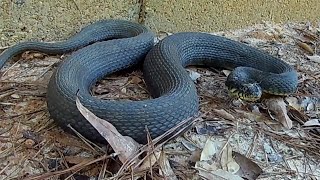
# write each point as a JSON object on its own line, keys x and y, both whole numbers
{"x": 72, "y": 169}
{"x": 142, "y": 11}
{"x": 4, "y": 48}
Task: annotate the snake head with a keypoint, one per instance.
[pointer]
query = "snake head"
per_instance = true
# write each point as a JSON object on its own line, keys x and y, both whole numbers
{"x": 242, "y": 84}
{"x": 247, "y": 92}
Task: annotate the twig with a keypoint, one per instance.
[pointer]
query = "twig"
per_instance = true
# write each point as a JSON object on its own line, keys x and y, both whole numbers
{"x": 253, "y": 145}
{"x": 22, "y": 114}
{"x": 73, "y": 168}
{"x": 85, "y": 140}
{"x": 4, "y": 48}
{"x": 142, "y": 11}
{"x": 77, "y": 7}
{"x": 308, "y": 144}
{"x": 48, "y": 68}
{"x": 6, "y": 71}
{"x": 144, "y": 148}
{"x": 9, "y": 163}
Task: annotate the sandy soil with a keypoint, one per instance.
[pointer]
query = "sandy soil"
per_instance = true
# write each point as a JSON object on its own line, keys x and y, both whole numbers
{"x": 56, "y": 20}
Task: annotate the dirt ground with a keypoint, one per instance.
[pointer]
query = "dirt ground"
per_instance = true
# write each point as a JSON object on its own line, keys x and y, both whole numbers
{"x": 239, "y": 139}
{"x": 221, "y": 15}
{"x": 56, "y": 20}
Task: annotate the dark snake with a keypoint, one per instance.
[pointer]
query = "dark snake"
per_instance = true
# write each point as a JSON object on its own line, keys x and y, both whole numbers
{"x": 108, "y": 46}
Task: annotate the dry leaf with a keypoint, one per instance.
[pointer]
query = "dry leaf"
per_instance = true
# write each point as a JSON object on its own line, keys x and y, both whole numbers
{"x": 218, "y": 175}
{"x": 306, "y": 47}
{"x": 226, "y": 72}
{"x": 208, "y": 166}
{"x": 312, "y": 122}
{"x": 224, "y": 114}
{"x": 278, "y": 107}
{"x": 165, "y": 168}
{"x": 193, "y": 75}
{"x": 249, "y": 170}
{"x": 309, "y": 103}
{"x": 208, "y": 156}
{"x": 15, "y": 96}
{"x": 195, "y": 156}
{"x": 190, "y": 146}
{"x": 135, "y": 80}
{"x": 65, "y": 140}
{"x": 314, "y": 58}
{"x": 210, "y": 149}
{"x": 293, "y": 102}
{"x": 297, "y": 116}
{"x": 163, "y": 34}
{"x": 252, "y": 41}
{"x": 251, "y": 116}
{"x": 32, "y": 55}
{"x": 227, "y": 161}
{"x": 123, "y": 90}
{"x": 150, "y": 160}
{"x": 125, "y": 146}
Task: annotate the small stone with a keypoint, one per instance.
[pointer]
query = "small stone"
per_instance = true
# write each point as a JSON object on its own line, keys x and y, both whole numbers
{"x": 194, "y": 75}
{"x": 124, "y": 90}
{"x": 29, "y": 143}
{"x": 15, "y": 96}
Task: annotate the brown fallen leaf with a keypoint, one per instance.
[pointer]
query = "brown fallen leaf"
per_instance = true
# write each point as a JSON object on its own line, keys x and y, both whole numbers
{"x": 306, "y": 47}
{"x": 278, "y": 107}
{"x": 248, "y": 169}
{"x": 195, "y": 156}
{"x": 135, "y": 80}
{"x": 252, "y": 116}
{"x": 149, "y": 161}
{"x": 224, "y": 114}
{"x": 261, "y": 35}
{"x": 297, "y": 115}
{"x": 32, "y": 55}
{"x": 125, "y": 146}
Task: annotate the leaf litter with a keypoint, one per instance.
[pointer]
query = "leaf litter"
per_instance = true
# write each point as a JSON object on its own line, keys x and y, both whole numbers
{"x": 230, "y": 139}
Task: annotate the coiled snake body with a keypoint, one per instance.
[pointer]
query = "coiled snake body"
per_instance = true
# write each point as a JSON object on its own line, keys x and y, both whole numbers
{"x": 120, "y": 44}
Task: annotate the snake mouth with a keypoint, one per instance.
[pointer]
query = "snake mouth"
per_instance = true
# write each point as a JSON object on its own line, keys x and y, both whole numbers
{"x": 247, "y": 92}
{"x": 276, "y": 93}
{"x": 243, "y": 96}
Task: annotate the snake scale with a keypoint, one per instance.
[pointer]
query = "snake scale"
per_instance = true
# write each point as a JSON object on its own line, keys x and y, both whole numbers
{"x": 108, "y": 46}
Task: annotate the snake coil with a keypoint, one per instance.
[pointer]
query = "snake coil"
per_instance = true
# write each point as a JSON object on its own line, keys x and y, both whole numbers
{"x": 107, "y": 46}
